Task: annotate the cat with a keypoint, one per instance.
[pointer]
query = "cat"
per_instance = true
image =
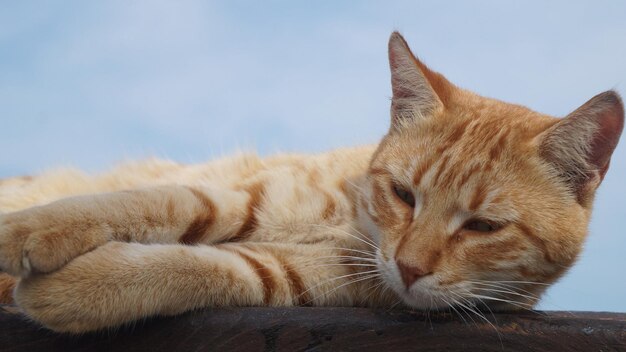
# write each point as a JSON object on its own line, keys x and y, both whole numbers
{"x": 466, "y": 202}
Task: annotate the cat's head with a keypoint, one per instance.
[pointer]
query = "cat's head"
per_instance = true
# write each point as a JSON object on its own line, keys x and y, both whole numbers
{"x": 474, "y": 199}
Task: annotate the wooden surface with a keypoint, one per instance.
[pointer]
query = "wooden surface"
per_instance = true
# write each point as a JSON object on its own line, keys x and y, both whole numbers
{"x": 337, "y": 329}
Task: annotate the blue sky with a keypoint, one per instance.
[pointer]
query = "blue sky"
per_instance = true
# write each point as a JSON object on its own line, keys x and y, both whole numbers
{"x": 90, "y": 84}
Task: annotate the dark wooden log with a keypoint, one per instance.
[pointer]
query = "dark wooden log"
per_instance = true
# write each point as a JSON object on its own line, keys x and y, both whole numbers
{"x": 338, "y": 329}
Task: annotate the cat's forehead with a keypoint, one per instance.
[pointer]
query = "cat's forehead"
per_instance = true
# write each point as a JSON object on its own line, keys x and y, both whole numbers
{"x": 477, "y": 127}
{"x": 477, "y": 118}
{"x": 479, "y": 141}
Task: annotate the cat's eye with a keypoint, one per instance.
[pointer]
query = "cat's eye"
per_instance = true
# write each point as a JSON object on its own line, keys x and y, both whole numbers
{"x": 481, "y": 226}
{"x": 405, "y": 195}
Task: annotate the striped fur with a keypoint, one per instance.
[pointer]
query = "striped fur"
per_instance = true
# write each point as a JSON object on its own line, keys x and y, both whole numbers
{"x": 161, "y": 238}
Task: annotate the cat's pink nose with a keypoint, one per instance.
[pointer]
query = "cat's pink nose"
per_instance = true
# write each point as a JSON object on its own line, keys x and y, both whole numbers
{"x": 410, "y": 274}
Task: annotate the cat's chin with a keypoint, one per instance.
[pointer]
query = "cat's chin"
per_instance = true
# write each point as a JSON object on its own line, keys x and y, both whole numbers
{"x": 421, "y": 297}
{"x": 422, "y": 300}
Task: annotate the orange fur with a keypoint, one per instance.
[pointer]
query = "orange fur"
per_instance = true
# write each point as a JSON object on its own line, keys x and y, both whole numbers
{"x": 467, "y": 201}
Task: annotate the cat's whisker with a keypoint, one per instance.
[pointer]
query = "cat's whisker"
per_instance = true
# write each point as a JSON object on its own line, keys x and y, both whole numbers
{"x": 499, "y": 285}
{"x": 508, "y": 292}
{"x": 326, "y": 293}
{"x": 377, "y": 272}
{"x": 514, "y": 303}
{"x": 449, "y": 307}
{"x": 430, "y": 307}
{"x": 369, "y": 254}
{"x": 521, "y": 305}
{"x": 468, "y": 305}
{"x": 355, "y": 280}
{"x": 364, "y": 240}
{"x": 522, "y": 282}
{"x": 506, "y": 300}
{"x": 496, "y": 288}
{"x": 480, "y": 300}
{"x": 399, "y": 301}
{"x": 512, "y": 290}
{"x": 356, "y": 187}
{"x": 456, "y": 302}
{"x": 515, "y": 288}
{"x": 388, "y": 292}
{"x": 373, "y": 289}
{"x": 342, "y": 264}
{"x": 486, "y": 306}
{"x": 363, "y": 235}
{"x": 452, "y": 308}
{"x": 349, "y": 257}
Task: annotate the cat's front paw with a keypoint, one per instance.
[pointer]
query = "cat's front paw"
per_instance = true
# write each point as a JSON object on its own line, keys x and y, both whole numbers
{"x": 85, "y": 295}
{"x": 43, "y": 239}
{"x": 50, "y": 301}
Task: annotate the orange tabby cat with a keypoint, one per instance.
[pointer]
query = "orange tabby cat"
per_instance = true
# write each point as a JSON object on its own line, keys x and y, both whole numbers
{"x": 467, "y": 201}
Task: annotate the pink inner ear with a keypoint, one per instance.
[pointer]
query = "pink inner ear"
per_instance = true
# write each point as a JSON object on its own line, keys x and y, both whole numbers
{"x": 399, "y": 87}
{"x": 397, "y": 47}
{"x": 400, "y": 91}
{"x": 402, "y": 61}
{"x": 393, "y": 58}
{"x": 611, "y": 123}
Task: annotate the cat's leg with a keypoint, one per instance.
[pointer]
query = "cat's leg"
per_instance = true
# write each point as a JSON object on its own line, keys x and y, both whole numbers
{"x": 44, "y": 238}
{"x": 19, "y": 193}
{"x": 123, "y": 282}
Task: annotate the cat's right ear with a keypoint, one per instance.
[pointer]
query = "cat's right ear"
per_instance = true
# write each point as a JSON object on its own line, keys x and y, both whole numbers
{"x": 418, "y": 92}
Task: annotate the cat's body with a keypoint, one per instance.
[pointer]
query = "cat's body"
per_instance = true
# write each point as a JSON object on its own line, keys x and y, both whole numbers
{"x": 299, "y": 207}
{"x": 467, "y": 201}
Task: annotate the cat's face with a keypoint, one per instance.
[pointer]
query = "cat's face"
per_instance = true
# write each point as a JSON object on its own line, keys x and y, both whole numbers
{"x": 475, "y": 201}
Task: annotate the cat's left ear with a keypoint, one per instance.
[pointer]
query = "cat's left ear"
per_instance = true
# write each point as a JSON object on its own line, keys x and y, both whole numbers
{"x": 580, "y": 145}
{"x": 417, "y": 91}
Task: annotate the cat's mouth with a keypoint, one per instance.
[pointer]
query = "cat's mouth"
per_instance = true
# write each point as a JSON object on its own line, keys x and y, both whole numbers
{"x": 424, "y": 294}
{"x": 428, "y": 294}
{"x": 435, "y": 292}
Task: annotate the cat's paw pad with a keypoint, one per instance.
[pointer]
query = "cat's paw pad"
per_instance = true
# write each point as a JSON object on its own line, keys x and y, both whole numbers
{"x": 41, "y": 240}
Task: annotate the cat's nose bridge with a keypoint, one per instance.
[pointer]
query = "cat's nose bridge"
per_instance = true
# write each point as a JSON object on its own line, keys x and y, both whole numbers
{"x": 417, "y": 255}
